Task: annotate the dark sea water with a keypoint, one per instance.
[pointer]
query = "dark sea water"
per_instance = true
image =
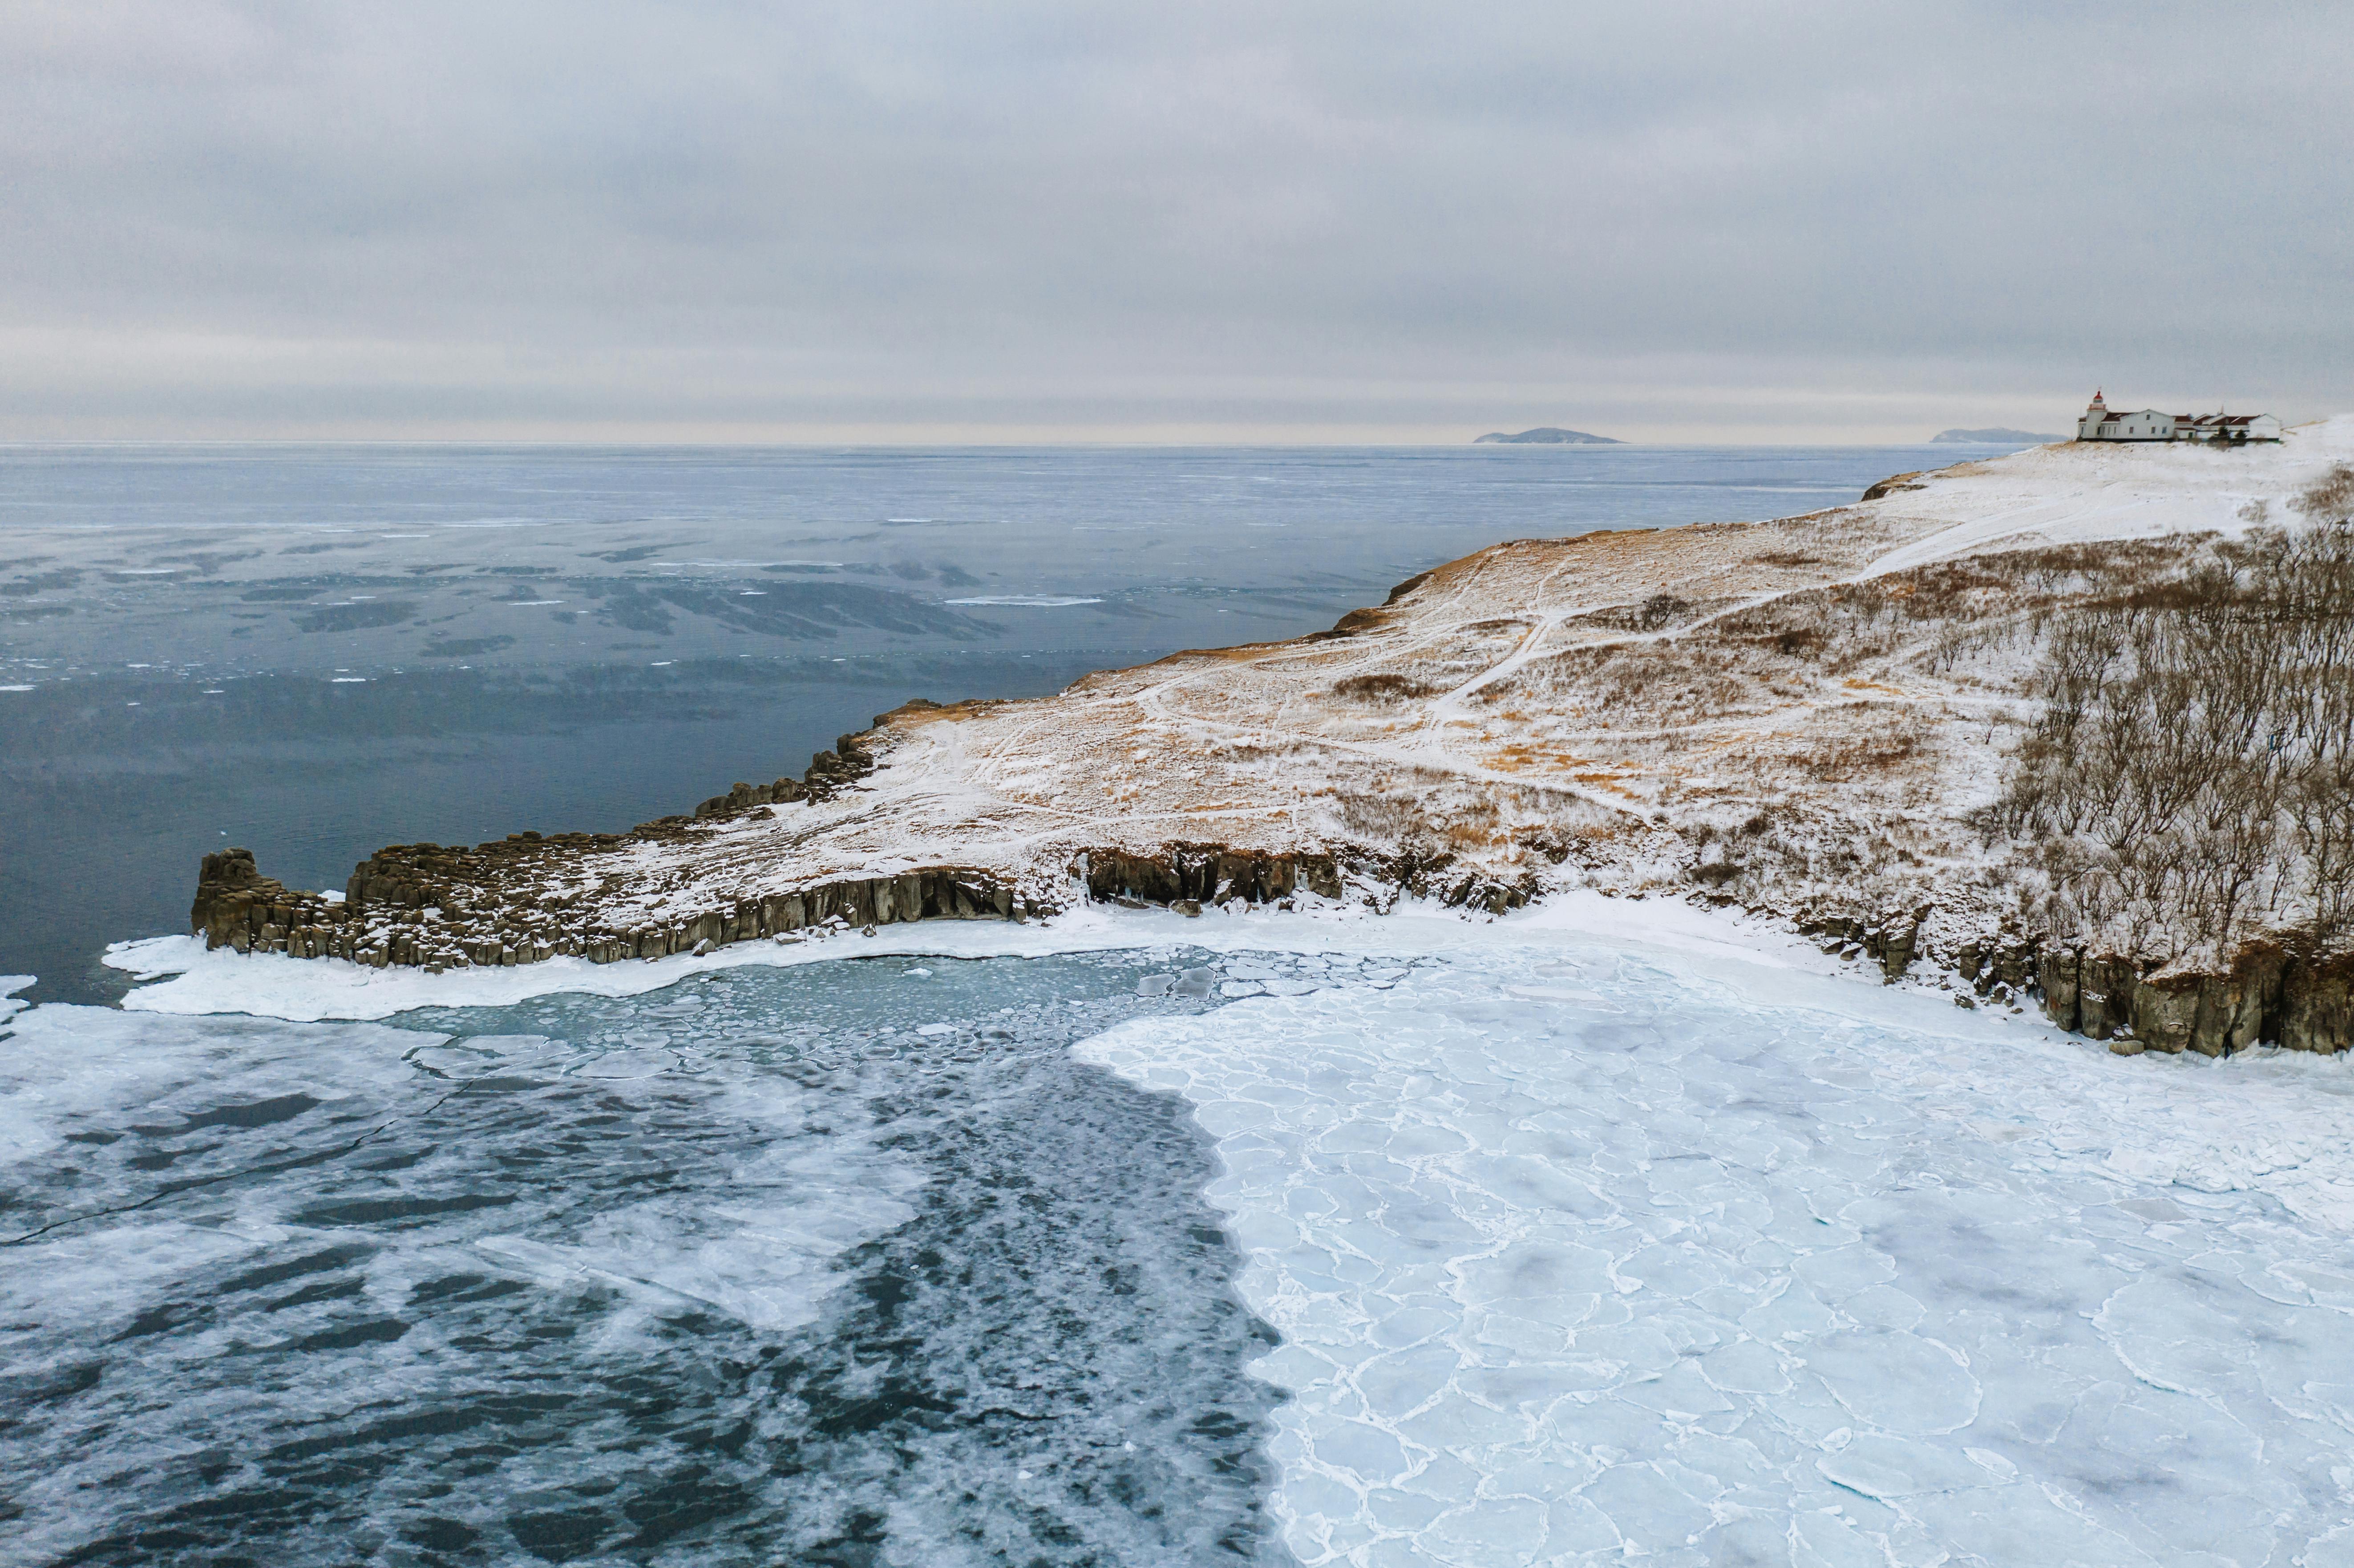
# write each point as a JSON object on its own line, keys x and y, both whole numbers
{"x": 850, "y": 1264}
{"x": 313, "y": 651}
{"x": 746, "y": 1271}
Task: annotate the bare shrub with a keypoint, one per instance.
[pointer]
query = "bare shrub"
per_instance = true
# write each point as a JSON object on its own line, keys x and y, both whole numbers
{"x": 2331, "y": 498}
{"x": 1661, "y": 609}
{"x": 1382, "y": 817}
{"x": 1383, "y": 689}
{"x": 1864, "y": 748}
{"x": 1655, "y": 613}
{"x": 2192, "y": 776}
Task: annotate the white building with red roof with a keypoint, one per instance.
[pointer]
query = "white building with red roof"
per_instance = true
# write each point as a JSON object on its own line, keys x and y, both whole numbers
{"x": 2103, "y": 423}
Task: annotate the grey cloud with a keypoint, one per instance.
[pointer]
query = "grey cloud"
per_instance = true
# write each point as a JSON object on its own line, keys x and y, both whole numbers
{"x": 926, "y": 219}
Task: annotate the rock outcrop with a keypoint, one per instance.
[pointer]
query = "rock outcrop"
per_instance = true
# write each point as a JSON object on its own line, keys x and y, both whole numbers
{"x": 1892, "y": 485}
{"x": 438, "y": 907}
{"x": 2269, "y": 995}
{"x": 1198, "y": 874}
{"x": 743, "y": 797}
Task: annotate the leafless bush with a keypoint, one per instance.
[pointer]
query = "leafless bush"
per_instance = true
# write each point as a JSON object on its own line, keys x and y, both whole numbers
{"x": 2332, "y": 499}
{"x": 1385, "y": 818}
{"x": 2191, "y": 777}
{"x": 1655, "y": 613}
{"x": 1661, "y": 609}
{"x": 1384, "y": 688}
{"x": 1864, "y": 747}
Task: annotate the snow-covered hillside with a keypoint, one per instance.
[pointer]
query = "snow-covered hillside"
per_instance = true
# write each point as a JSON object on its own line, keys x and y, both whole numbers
{"x": 1801, "y": 716}
{"x": 2081, "y": 491}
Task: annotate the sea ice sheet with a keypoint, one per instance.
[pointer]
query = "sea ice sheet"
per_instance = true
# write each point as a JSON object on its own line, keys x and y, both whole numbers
{"x": 1583, "y": 1255}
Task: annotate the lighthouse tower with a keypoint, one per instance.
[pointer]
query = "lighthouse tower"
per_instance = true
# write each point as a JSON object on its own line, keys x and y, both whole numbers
{"x": 2088, "y": 429}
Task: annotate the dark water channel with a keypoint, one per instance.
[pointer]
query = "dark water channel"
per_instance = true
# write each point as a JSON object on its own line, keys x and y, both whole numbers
{"x": 843, "y": 1264}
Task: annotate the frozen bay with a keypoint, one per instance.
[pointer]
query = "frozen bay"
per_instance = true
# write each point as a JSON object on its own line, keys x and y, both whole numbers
{"x": 1579, "y": 1254}
{"x": 1604, "y": 1232}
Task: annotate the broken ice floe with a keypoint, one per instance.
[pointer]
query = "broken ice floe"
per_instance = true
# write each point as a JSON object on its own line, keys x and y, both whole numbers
{"x": 1632, "y": 1261}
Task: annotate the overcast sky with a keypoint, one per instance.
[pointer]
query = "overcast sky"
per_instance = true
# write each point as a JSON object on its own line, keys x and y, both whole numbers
{"x": 1119, "y": 221}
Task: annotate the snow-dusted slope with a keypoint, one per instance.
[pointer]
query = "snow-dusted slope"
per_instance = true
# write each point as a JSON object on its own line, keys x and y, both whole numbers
{"x": 2080, "y": 491}
{"x": 1533, "y": 690}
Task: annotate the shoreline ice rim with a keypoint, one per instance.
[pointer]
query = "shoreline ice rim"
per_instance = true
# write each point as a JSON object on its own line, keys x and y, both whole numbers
{"x": 177, "y": 975}
{"x": 1745, "y": 962}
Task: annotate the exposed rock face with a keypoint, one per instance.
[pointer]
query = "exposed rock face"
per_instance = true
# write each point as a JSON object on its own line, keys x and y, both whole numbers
{"x": 832, "y": 771}
{"x": 1889, "y": 940}
{"x": 440, "y": 908}
{"x": 1198, "y": 874}
{"x": 2268, "y": 995}
{"x": 743, "y": 796}
{"x": 237, "y": 907}
{"x": 2318, "y": 1005}
{"x": 2056, "y": 976}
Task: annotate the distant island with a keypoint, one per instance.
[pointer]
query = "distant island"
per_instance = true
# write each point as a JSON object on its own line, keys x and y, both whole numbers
{"x": 1546, "y": 435}
{"x": 1998, "y": 435}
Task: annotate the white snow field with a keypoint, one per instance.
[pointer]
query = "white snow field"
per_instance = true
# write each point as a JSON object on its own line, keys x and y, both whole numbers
{"x": 1581, "y": 1253}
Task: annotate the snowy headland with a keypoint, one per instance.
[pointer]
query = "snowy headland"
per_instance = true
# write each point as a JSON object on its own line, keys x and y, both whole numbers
{"x": 1840, "y": 722}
